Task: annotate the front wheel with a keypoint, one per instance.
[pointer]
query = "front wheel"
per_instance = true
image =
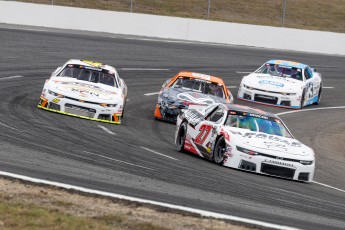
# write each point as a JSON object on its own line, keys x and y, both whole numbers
{"x": 319, "y": 97}
{"x": 219, "y": 151}
{"x": 302, "y": 100}
{"x": 181, "y": 137}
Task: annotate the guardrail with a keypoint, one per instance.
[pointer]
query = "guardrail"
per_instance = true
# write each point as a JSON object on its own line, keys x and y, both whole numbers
{"x": 171, "y": 27}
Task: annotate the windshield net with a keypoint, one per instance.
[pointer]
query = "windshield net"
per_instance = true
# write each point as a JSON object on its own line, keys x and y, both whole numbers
{"x": 90, "y": 74}
{"x": 200, "y": 86}
{"x": 281, "y": 71}
{"x": 257, "y": 123}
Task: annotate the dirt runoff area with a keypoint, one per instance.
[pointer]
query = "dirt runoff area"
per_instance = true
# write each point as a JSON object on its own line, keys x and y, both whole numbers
{"x": 28, "y": 206}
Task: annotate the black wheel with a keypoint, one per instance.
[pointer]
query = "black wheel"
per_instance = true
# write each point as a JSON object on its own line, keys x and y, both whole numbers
{"x": 219, "y": 151}
{"x": 123, "y": 109}
{"x": 319, "y": 98}
{"x": 302, "y": 100}
{"x": 181, "y": 137}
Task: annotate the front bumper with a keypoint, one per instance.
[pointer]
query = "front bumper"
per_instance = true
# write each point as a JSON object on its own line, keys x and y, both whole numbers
{"x": 79, "y": 109}
{"x": 269, "y": 98}
{"x": 271, "y": 166}
{"x": 167, "y": 112}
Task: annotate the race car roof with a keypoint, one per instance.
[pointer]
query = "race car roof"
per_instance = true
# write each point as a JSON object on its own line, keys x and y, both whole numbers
{"x": 246, "y": 109}
{"x": 287, "y": 63}
{"x": 201, "y": 76}
{"x": 91, "y": 64}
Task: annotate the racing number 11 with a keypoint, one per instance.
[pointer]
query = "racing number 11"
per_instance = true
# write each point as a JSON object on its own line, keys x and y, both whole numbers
{"x": 204, "y": 131}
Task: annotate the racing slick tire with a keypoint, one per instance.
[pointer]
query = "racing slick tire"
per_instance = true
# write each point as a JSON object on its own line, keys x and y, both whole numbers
{"x": 219, "y": 151}
{"x": 181, "y": 137}
{"x": 319, "y": 98}
{"x": 302, "y": 99}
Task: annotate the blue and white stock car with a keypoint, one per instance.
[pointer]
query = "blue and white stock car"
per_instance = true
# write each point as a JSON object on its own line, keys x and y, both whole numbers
{"x": 282, "y": 83}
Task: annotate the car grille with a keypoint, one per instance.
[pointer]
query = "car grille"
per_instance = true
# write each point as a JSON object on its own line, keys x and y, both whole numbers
{"x": 80, "y": 111}
{"x": 277, "y": 171}
{"x": 266, "y": 99}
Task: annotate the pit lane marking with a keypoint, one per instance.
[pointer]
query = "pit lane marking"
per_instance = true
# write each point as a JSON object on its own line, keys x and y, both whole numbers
{"x": 11, "y": 77}
{"x": 142, "y": 69}
{"x": 112, "y": 159}
{"x": 150, "y": 94}
{"x": 107, "y": 130}
{"x": 152, "y": 151}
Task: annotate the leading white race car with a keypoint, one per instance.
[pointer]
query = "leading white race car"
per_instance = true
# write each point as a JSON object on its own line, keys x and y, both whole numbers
{"x": 85, "y": 89}
{"x": 244, "y": 138}
{"x": 282, "y": 83}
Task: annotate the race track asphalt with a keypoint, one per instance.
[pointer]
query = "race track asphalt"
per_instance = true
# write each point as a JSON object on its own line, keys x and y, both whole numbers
{"x": 69, "y": 150}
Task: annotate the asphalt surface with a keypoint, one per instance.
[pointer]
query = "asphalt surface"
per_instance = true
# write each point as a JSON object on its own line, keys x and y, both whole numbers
{"x": 65, "y": 149}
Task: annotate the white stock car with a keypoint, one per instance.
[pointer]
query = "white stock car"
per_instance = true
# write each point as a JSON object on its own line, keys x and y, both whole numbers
{"x": 85, "y": 89}
{"x": 244, "y": 138}
{"x": 282, "y": 83}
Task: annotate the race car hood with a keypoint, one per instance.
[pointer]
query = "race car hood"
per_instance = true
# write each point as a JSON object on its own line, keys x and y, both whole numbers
{"x": 269, "y": 144}
{"x": 82, "y": 90}
{"x": 180, "y": 96}
{"x": 273, "y": 83}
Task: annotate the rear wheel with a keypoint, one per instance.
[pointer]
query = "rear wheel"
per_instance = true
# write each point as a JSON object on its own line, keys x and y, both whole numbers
{"x": 219, "y": 151}
{"x": 181, "y": 137}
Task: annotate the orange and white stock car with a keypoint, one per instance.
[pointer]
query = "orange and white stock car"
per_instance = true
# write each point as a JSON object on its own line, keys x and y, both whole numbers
{"x": 188, "y": 88}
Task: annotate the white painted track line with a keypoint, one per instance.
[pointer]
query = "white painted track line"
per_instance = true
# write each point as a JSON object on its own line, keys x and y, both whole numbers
{"x": 161, "y": 204}
{"x": 152, "y": 151}
{"x": 328, "y": 186}
{"x": 112, "y": 159}
{"x": 150, "y": 94}
{"x": 307, "y": 110}
{"x": 313, "y": 109}
{"x": 242, "y": 72}
{"x": 106, "y": 130}
{"x": 143, "y": 69}
{"x": 11, "y": 77}
{"x": 232, "y": 87}
{"x": 327, "y": 87}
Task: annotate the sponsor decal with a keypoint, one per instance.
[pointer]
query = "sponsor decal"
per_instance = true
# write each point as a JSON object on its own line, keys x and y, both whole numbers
{"x": 274, "y": 141}
{"x": 275, "y": 145}
{"x": 202, "y": 76}
{"x": 196, "y": 98}
{"x": 267, "y": 82}
{"x": 279, "y": 163}
{"x": 84, "y": 90}
{"x": 193, "y": 117}
{"x": 56, "y": 100}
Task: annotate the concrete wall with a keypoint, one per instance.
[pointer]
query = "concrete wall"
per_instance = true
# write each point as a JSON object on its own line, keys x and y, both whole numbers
{"x": 171, "y": 27}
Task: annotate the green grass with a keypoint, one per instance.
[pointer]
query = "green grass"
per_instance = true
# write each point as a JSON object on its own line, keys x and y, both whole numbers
{"x": 302, "y": 14}
{"x": 15, "y": 216}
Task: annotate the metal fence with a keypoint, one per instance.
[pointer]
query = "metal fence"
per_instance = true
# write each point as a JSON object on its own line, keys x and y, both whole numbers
{"x": 320, "y": 15}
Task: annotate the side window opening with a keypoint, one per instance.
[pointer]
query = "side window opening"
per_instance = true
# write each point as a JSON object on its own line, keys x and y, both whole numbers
{"x": 217, "y": 115}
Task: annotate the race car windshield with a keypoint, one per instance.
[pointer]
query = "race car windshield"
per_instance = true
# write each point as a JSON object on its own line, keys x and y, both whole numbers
{"x": 266, "y": 125}
{"x": 90, "y": 75}
{"x": 281, "y": 71}
{"x": 200, "y": 86}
